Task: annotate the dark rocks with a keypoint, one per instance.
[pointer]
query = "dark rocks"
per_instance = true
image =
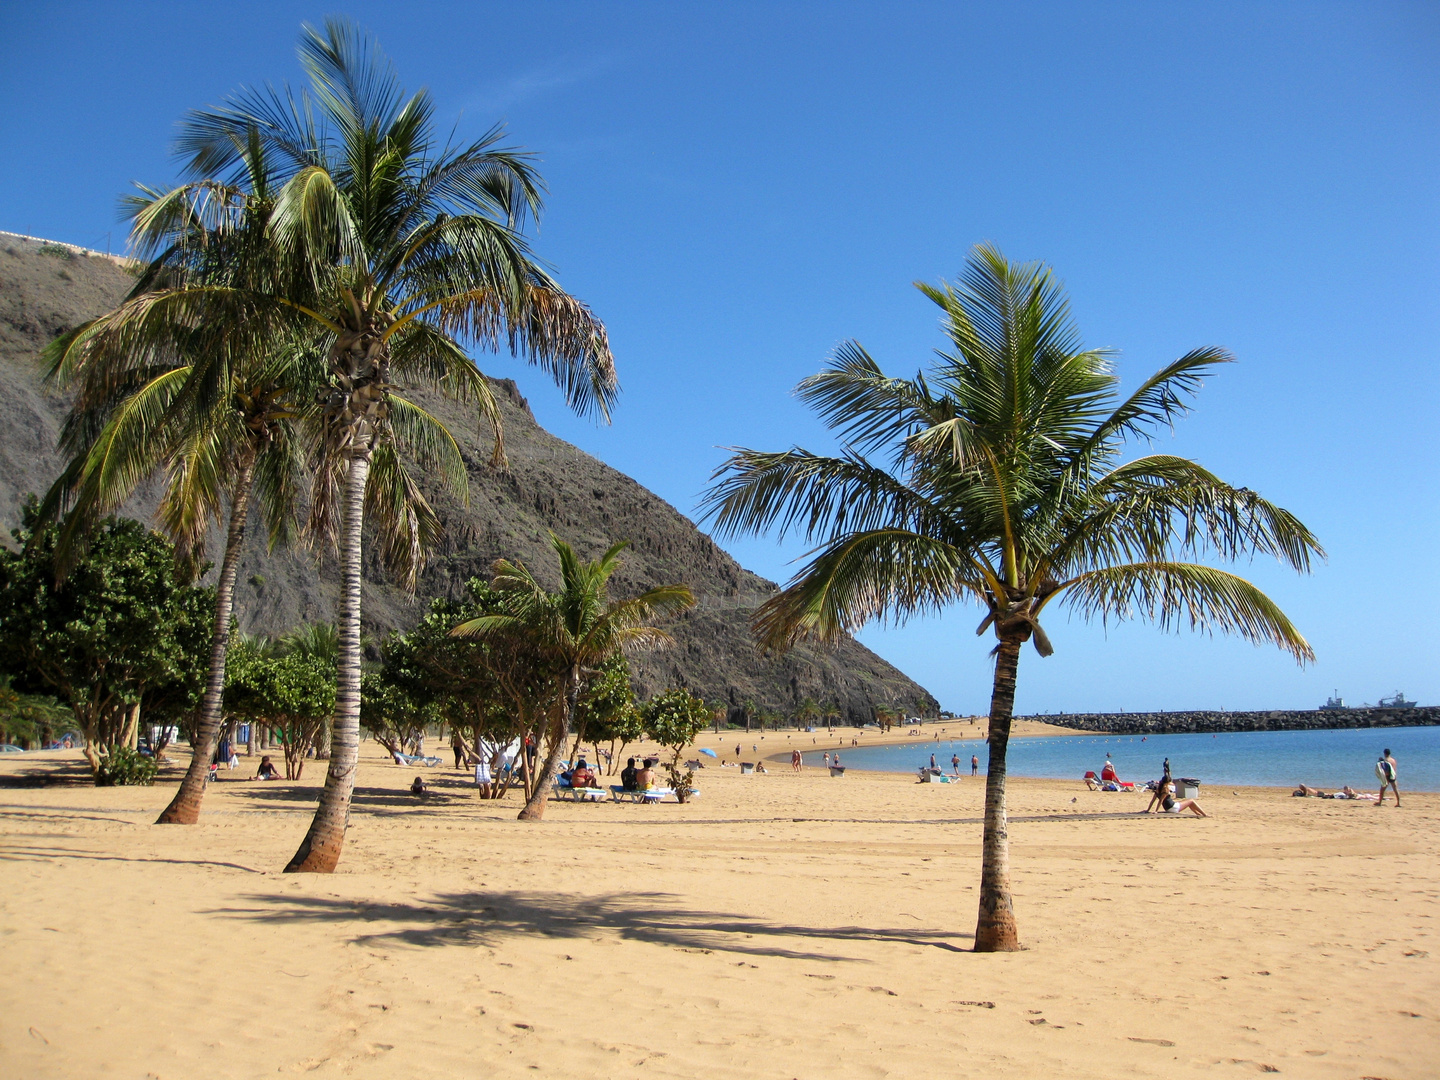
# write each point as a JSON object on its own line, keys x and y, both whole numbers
{"x": 1176, "y": 723}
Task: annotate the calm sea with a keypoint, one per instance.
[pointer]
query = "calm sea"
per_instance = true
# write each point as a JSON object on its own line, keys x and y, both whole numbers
{"x": 1322, "y": 759}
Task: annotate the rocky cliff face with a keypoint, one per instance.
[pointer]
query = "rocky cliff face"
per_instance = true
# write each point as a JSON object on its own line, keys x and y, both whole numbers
{"x": 1175, "y": 723}
{"x": 550, "y": 485}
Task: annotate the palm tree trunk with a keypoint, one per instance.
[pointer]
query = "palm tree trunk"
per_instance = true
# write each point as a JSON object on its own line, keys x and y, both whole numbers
{"x": 995, "y": 930}
{"x": 319, "y": 852}
{"x": 535, "y": 805}
{"x": 184, "y": 808}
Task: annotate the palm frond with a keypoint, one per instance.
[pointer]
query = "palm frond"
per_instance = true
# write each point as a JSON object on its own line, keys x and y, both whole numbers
{"x": 1170, "y": 593}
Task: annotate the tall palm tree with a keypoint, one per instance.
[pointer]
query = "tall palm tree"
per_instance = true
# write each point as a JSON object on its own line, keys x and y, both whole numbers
{"x": 1003, "y": 483}
{"x": 578, "y": 628}
{"x": 134, "y": 415}
{"x": 392, "y": 252}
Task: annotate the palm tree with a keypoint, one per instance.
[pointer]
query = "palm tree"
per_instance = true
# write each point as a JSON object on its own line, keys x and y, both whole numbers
{"x": 1003, "y": 484}
{"x": 578, "y": 628}
{"x": 390, "y": 251}
{"x": 133, "y": 415}
{"x": 809, "y": 711}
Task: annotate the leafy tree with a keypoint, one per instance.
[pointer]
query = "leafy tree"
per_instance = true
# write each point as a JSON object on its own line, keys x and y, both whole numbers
{"x": 289, "y": 687}
{"x": 493, "y": 690}
{"x": 391, "y": 251}
{"x": 673, "y": 719}
{"x": 607, "y": 697}
{"x": 1003, "y": 484}
{"x": 576, "y": 629}
{"x": 120, "y": 630}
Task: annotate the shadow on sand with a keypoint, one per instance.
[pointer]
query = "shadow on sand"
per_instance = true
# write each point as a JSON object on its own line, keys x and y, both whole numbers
{"x": 485, "y": 918}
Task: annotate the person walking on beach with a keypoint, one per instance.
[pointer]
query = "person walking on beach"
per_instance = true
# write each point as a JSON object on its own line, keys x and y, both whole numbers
{"x": 955, "y": 764}
{"x": 974, "y": 765}
{"x": 827, "y": 759}
{"x": 1387, "y": 772}
{"x": 796, "y": 762}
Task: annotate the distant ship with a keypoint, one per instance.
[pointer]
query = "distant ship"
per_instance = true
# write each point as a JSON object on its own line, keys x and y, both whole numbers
{"x": 1397, "y": 702}
{"x": 1333, "y": 704}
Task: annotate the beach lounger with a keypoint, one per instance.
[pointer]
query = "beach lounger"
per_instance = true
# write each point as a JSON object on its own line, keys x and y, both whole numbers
{"x": 574, "y": 794}
{"x": 649, "y": 795}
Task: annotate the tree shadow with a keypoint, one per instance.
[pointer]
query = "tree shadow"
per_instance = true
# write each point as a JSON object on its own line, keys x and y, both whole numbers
{"x": 486, "y": 918}
{"x": 291, "y": 793}
{"x": 19, "y": 852}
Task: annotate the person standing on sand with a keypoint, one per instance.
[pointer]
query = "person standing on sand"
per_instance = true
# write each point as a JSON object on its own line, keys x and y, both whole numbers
{"x": 974, "y": 765}
{"x": 1388, "y": 773}
{"x": 797, "y": 763}
{"x": 955, "y": 764}
{"x": 457, "y": 744}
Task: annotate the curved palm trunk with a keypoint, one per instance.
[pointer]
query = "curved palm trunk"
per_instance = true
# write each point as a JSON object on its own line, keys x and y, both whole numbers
{"x": 535, "y": 805}
{"x": 995, "y": 930}
{"x": 184, "y": 808}
{"x": 319, "y": 852}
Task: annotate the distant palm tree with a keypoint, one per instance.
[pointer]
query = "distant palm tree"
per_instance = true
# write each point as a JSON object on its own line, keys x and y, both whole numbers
{"x": 578, "y": 628}
{"x": 809, "y": 712}
{"x": 389, "y": 250}
{"x": 1003, "y": 485}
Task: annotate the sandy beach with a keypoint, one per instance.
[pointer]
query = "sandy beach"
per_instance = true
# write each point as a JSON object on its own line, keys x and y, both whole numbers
{"x": 781, "y": 926}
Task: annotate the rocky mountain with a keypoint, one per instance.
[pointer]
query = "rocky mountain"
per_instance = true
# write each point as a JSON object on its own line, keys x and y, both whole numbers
{"x": 549, "y": 485}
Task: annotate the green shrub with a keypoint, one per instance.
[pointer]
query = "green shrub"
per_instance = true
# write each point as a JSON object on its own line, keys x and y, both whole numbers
{"x": 123, "y": 767}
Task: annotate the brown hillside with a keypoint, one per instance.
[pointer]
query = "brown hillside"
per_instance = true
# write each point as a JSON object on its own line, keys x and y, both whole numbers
{"x": 45, "y": 289}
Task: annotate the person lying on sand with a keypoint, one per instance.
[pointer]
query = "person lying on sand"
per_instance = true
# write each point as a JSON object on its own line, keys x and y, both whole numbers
{"x": 1305, "y": 791}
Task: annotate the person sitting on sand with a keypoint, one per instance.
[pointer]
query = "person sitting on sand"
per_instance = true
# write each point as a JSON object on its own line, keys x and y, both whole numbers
{"x": 267, "y": 770}
{"x": 418, "y": 788}
{"x": 760, "y": 767}
{"x": 1171, "y": 805}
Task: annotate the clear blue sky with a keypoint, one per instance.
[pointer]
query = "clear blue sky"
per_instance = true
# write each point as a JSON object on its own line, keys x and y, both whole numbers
{"x": 736, "y": 188}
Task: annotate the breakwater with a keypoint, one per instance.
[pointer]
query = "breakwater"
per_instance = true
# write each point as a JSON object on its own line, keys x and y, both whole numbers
{"x": 1179, "y": 723}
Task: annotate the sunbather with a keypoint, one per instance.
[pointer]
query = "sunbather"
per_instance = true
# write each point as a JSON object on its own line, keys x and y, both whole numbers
{"x": 582, "y": 777}
{"x": 645, "y": 777}
{"x": 1171, "y": 805}
{"x": 1305, "y": 791}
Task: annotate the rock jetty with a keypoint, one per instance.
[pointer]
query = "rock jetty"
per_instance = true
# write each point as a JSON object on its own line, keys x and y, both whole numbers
{"x": 1180, "y": 723}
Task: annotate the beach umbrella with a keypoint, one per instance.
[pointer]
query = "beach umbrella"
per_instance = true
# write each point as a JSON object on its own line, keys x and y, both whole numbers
{"x": 708, "y": 752}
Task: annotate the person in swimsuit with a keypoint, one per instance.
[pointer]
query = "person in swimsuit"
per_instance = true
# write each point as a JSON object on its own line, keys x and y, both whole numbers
{"x": 1171, "y": 805}
{"x": 974, "y": 765}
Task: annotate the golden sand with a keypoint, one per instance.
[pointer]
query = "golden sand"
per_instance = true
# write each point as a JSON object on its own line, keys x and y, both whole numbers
{"x": 781, "y": 926}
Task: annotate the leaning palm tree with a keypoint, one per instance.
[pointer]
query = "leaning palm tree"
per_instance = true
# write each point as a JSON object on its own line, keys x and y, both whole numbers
{"x": 1003, "y": 484}
{"x": 391, "y": 252}
{"x": 577, "y": 629}
{"x": 134, "y": 415}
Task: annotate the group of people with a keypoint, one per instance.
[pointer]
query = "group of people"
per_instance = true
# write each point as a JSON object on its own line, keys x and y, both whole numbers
{"x": 1386, "y": 771}
{"x": 639, "y": 779}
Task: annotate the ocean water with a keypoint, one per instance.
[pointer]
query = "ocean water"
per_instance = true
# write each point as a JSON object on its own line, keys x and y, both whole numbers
{"x": 1323, "y": 759}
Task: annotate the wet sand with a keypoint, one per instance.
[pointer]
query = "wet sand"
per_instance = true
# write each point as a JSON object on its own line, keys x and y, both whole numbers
{"x": 781, "y": 926}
